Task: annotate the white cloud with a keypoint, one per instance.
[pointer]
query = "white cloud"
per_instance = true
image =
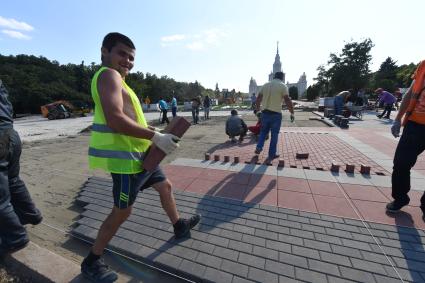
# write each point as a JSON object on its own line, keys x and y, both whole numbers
{"x": 16, "y": 34}
{"x": 196, "y": 45}
{"x": 197, "y": 41}
{"x": 14, "y": 24}
{"x": 173, "y": 38}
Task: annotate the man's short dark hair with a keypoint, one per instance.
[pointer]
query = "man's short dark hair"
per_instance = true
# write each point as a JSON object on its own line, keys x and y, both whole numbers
{"x": 279, "y": 75}
{"x": 113, "y": 38}
{"x": 234, "y": 112}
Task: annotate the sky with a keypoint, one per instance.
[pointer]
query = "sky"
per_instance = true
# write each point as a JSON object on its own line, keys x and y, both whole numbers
{"x": 216, "y": 41}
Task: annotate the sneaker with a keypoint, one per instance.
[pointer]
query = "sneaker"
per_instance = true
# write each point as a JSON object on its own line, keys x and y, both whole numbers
{"x": 273, "y": 157}
{"x": 188, "y": 224}
{"x": 395, "y": 207}
{"x": 240, "y": 139}
{"x": 257, "y": 151}
{"x": 233, "y": 140}
{"x": 6, "y": 249}
{"x": 98, "y": 271}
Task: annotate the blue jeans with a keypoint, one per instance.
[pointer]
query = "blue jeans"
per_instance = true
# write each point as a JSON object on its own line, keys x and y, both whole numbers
{"x": 174, "y": 111}
{"x": 338, "y": 104}
{"x": 270, "y": 122}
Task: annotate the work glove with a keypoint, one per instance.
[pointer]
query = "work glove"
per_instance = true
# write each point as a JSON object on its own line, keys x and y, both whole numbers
{"x": 395, "y": 128}
{"x": 292, "y": 118}
{"x": 166, "y": 142}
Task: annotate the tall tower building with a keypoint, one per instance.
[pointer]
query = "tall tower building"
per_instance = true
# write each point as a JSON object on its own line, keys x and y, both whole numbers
{"x": 277, "y": 65}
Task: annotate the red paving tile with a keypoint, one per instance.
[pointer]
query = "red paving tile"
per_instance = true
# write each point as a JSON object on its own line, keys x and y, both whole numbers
{"x": 307, "y": 195}
{"x": 201, "y": 186}
{"x": 262, "y": 195}
{"x": 265, "y": 181}
{"x": 182, "y": 171}
{"x": 233, "y": 191}
{"x": 293, "y": 184}
{"x": 375, "y": 212}
{"x": 360, "y": 192}
{"x": 334, "y": 206}
{"x": 415, "y": 196}
{"x": 180, "y": 183}
{"x": 323, "y": 148}
{"x": 325, "y": 189}
{"x": 296, "y": 200}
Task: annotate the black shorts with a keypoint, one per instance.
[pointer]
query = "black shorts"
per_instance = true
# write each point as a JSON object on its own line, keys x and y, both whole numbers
{"x": 126, "y": 186}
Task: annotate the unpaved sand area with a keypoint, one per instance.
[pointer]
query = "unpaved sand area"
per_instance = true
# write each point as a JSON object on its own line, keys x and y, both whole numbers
{"x": 54, "y": 171}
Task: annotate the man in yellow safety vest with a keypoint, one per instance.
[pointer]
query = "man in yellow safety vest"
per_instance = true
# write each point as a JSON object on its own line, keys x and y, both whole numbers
{"x": 119, "y": 140}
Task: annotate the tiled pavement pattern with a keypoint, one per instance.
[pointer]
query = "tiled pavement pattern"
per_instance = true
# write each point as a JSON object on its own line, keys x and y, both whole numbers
{"x": 323, "y": 148}
{"x": 344, "y": 195}
{"x": 247, "y": 242}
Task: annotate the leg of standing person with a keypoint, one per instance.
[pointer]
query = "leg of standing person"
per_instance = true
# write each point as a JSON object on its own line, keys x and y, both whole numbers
{"x": 164, "y": 117}
{"x": 197, "y": 115}
{"x": 411, "y": 144}
{"x": 264, "y": 131}
{"x": 275, "y": 129}
{"x": 174, "y": 111}
{"x": 194, "y": 115}
{"x": 21, "y": 199}
{"x": 389, "y": 108}
{"x": 12, "y": 233}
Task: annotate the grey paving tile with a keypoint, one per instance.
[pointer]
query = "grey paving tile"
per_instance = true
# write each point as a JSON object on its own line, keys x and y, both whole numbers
{"x": 278, "y": 246}
{"x": 317, "y": 245}
{"x": 251, "y": 260}
{"x": 291, "y": 172}
{"x": 265, "y": 252}
{"x": 280, "y": 268}
{"x": 261, "y": 275}
{"x": 254, "y": 240}
{"x": 357, "y": 275}
{"x": 325, "y": 176}
{"x": 310, "y": 276}
{"x": 240, "y": 246}
{"x": 226, "y": 253}
{"x": 305, "y": 252}
{"x": 209, "y": 260}
{"x": 234, "y": 268}
{"x": 293, "y": 260}
{"x": 335, "y": 258}
{"x": 323, "y": 267}
{"x": 215, "y": 275}
{"x": 191, "y": 162}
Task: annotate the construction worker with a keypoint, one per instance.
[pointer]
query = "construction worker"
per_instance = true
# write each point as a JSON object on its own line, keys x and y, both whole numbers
{"x": 412, "y": 141}
{"x": 119, "y": 140}
{"x": 16, "y": 205}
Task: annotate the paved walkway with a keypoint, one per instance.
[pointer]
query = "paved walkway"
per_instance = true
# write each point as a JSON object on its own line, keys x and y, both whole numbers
{"x": 268, "y": 224}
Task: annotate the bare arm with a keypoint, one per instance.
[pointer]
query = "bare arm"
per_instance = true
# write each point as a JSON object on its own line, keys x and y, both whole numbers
{"x": 110, "y": 93}
{"x": 288, "y": 103}
{"x": 404, "y": 103}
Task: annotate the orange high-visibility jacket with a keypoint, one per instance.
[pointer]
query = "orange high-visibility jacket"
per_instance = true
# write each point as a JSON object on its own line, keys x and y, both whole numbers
{"x": 416, "y": 109}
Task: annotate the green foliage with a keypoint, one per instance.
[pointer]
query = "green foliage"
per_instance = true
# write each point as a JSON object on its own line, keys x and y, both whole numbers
{"x": 348, "y": 70}
{"x": 313, "y": 92}
{"x": 293, "y": 92}
{"x": 34, "y": 81}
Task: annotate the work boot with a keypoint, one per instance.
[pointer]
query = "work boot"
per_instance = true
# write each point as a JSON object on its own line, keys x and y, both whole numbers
{"x": 183, "y": 226}
{"x": 395, "y": 206}
{"x": 98, "y": 271}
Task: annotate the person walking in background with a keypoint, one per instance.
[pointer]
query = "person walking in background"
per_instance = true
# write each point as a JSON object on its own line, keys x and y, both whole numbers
{"x": 339, "y": 100}
{"x": 16, "y": 206}
{"x": 163, "y": 107}
{"x": 270, "y": 98}
{"x": 207, "y": 106}
{"x": 119, "y": 140}
{"x": 412, "y": 141}
{"x": 253, "y": 101}
{"x": 388, "y": 99}
{"x": 148, "y": 102}
{"x": 196, "y": 103}
{"x": 235, "y": 126}
{"x": 174, "y": 106}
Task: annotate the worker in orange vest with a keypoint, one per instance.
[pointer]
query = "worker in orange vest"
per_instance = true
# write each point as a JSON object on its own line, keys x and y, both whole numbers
{"x": 412, "y": 141}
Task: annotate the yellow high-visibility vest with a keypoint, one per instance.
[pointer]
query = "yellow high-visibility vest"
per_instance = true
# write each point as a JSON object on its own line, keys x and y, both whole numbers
{"x": 112, "y": 151}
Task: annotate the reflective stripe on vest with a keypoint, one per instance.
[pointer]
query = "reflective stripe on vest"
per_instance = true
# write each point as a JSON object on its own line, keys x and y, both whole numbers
{"x": 136, "y": 156}
{"x": 111, "y": 151}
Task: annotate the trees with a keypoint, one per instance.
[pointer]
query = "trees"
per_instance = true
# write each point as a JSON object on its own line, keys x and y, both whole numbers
{"x": 293, "y": 92}
{"x": 35, "y": 81}
{"x": 348, "y": 70}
